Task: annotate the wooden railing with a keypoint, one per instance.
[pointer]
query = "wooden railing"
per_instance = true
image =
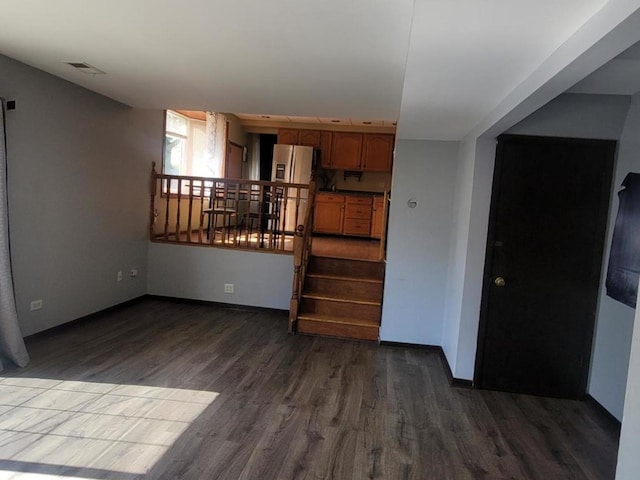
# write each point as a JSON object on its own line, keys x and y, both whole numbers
{"x": 231, "y": 213}
{"x": 385, "y": 224}
{"x": 301, "y": 253}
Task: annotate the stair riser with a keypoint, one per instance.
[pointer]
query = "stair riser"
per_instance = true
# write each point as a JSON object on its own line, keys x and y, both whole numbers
{"x": 347, "y": 288}
{"x": 341, "y": 309}
{"x": 337, "y": 330}
{"x": 349, "y": 268}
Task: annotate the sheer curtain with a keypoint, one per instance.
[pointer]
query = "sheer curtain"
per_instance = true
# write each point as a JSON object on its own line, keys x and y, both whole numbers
{"x": 11, "y": 343}
{"x": 216, "y": 125}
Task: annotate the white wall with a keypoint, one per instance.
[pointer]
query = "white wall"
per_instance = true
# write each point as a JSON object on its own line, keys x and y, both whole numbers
{"x": 79, "y": 168}
{"x": 614, "y": 326}
{"x": 458, "y": 251}
{"x": 418, "y": 241}
{"x": 471, "y": 214}
{"x": 237, "y": 133}
{"x": 199, "y": 273}
{"x": 628, "y": 458}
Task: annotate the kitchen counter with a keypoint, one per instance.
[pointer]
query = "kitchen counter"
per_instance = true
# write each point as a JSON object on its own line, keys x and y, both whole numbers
{"x": 351, "y": 192}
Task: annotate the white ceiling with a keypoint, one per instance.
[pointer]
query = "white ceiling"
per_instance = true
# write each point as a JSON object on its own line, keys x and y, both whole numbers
{"x": 439, "y": 66}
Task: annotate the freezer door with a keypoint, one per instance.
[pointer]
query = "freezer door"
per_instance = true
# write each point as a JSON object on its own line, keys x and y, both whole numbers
{"x": 281, "y": 169}
{"x": 302, "y": 164}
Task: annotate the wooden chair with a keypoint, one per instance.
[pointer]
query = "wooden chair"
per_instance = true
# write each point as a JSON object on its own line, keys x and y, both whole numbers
{"x": 222, "y": 210}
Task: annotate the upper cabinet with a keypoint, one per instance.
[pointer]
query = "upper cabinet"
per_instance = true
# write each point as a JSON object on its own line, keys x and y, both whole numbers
{"x": 369, "y": 152}
{"x": 377, "y": 152}
{"x": 309, "y": 138}
{"x": 293, "y": 136}
{"x": 288, "y": 136}
{"x": 325, "y": 149}
{"x": 346, "y": 151}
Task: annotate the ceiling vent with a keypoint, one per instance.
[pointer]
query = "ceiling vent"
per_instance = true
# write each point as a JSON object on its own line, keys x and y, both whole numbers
{"x": 86, "y": 68}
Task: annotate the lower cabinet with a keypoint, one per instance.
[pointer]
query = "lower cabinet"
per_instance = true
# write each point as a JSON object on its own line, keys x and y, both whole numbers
{"x": 343, "y": 214}
{"x": 357, "y": 218}
{"x": 329, "y": 213}
{"x": 377, "y": 217}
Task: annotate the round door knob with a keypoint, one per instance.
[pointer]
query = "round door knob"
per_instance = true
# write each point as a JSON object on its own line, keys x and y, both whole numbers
{"x": 499, "y": 282}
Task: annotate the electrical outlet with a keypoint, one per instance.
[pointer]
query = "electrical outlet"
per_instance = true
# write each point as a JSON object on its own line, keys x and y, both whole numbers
{"x": 36, "y": 305}
{"x": 133, "y": 272}
{"x": 228, "y": 288}
{"x": 119, "y": 276}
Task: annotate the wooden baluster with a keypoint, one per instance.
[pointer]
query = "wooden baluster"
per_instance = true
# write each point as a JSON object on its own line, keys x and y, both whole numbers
{"x": 236, "y": 204}
{"x": 245, "y": 219}
{"x": 190, "y": 211}
{"x": 298, "y": 218}
{"x": 383, "y": 235}
{"x": 178, "y": 210}
{"x": 152, "y": 207}
{"x": 261, "y": 207}
{"x": 283, "y": 217}
{"x": 166, "y": 213}
{"x": 298, "y": 248}
{"x": 270, "y": 212}
{"x": 201, "y": 223}
{"x": 225, "y": 197}
{"x": 212, "y": 215}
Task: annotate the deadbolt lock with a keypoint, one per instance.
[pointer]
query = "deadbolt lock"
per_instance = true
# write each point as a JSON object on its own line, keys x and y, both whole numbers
{"x": 499, "y": 282}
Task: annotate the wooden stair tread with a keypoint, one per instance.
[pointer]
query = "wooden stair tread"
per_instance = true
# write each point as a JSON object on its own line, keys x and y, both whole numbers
{"x": 342, "y": 299}
{"x": 351, "y": 259}
{"x": 344, "y": 277}
{"x": 340, "y": 320}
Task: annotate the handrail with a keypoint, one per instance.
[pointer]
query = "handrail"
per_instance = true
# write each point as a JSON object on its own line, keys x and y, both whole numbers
{"x": 301, "y": 254}
{"x": 225, "y": 212}
{"x": 385, "y": 221}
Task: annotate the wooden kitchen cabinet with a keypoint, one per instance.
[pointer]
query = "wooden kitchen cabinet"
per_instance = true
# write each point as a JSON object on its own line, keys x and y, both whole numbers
{"x": 377, "y": 152}
{"x": 346, "y": 151}
{"x": 329, "y": 213}
{"x": 325, "y": 149}
{"x": 309, "y": 138}
{"x": 377, "y": 217}
{"x": 288, "y": 136}
{"x": 357, "y": 218}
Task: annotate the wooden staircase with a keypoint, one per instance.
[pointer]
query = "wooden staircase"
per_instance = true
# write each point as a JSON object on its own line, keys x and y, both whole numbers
{"x": 341, "y": 298}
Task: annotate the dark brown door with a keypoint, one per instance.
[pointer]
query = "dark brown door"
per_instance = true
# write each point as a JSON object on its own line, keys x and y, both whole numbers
{"x": 544, "y": 253}
{"x": 235, "y": 154}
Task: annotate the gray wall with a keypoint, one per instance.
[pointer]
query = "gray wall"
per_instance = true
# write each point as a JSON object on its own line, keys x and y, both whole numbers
{"x": 260, "y": 279}
{"x": 579, "y": 116}
{"x": 615, "y": 321}
{"x": 418, "y": 241}
{"x": 628, "y": 458}
{"x": 79, "y": 168}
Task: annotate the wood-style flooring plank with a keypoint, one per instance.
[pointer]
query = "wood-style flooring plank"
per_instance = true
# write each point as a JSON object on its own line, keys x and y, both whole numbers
{"x": 169, "y": 390}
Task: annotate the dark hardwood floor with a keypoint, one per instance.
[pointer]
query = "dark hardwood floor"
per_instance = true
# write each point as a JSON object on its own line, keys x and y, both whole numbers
{"x": 169, "y": 390}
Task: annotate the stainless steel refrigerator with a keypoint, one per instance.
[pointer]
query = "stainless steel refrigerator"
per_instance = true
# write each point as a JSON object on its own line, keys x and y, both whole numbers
{"x": 292, "y": 164}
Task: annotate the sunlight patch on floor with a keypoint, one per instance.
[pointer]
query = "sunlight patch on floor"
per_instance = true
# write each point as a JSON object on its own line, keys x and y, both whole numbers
{"x": 49, "y": 426}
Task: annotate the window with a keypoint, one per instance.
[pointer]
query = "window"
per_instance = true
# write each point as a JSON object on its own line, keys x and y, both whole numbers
{"x": 194, "y": 145}
{"x": 175, "y": 144}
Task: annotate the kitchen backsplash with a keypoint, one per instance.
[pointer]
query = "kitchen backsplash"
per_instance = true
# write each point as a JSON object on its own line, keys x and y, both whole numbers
{"x": 369, "y": 182}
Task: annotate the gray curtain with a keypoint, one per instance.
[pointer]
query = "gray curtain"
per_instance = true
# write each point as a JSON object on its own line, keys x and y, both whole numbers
{"x": 11, "y": 343}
